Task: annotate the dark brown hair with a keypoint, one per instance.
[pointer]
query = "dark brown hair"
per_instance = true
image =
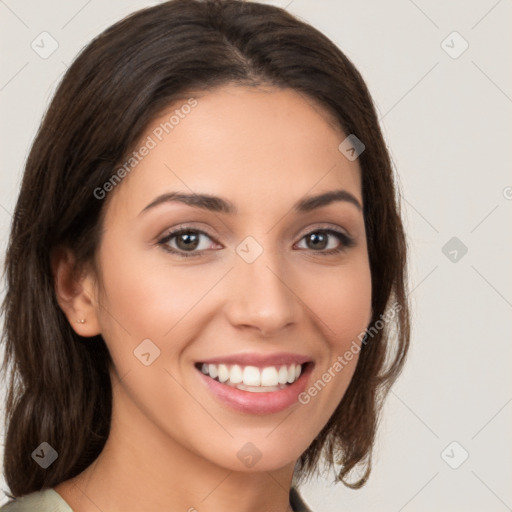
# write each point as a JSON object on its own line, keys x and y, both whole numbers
{"x": 59, "y": 389}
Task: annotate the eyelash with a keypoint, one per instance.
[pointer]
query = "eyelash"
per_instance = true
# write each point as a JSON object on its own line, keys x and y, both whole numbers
{"x": 346, "y": 241}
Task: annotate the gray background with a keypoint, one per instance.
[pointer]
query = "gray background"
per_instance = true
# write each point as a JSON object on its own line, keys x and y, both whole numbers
{"x": 449, "y": 126}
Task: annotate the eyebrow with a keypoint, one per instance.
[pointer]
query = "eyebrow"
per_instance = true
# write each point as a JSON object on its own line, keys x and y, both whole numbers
{"x": 219, "y": 204}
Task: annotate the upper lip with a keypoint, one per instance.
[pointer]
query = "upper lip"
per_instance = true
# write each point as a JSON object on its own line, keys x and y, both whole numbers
{"x": 259, "y": 360}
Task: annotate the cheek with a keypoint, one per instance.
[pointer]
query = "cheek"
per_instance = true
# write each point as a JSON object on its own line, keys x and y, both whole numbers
{"x": 342, "y": 300}
{"x": 342, "y": 304}
{"x": 145, "y": 298}
{"x": 145, "y": 295}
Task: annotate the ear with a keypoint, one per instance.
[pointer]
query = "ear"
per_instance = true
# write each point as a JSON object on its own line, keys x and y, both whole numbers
{"x": 75, "y": 293}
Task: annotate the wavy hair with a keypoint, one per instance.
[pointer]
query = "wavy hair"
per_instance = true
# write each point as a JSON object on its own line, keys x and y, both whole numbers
{"x": 59, "y": 389}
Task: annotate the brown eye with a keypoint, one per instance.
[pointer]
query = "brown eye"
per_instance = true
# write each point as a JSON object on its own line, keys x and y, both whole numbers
{"x": 317, "y": 240}
{"x": 186, "y": 242}
{"x": 323, "y": 241}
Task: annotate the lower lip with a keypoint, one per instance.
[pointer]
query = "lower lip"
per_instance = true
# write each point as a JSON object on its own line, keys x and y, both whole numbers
{"x": 258, "y": 403}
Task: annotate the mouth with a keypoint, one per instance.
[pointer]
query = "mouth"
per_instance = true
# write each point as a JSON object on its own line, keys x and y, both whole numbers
{"x": 255, "y": 389}
{"x": 254, "y": 379}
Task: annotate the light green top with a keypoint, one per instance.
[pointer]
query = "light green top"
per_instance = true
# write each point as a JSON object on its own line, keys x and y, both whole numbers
{"x": 48, "y": 500}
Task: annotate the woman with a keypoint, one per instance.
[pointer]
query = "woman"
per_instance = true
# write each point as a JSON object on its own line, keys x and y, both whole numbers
{"x": 206, "y": 270}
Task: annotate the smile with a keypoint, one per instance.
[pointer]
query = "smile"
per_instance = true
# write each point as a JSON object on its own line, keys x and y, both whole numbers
{"x": 252, "y": 378}
{"x": 249, "y": 389}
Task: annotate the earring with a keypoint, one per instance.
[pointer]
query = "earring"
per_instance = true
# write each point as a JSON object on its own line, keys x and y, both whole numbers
{"x": 81, "y": 321}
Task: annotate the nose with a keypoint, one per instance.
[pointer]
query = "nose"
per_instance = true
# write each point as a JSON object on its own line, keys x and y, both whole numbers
{"x": 262, "y": 296}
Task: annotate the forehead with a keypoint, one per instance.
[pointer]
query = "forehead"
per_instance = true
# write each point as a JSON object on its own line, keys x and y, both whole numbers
{"x": 257, "y": 146}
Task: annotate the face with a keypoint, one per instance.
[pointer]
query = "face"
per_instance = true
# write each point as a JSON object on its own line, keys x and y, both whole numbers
{"x": 241, "y": 286}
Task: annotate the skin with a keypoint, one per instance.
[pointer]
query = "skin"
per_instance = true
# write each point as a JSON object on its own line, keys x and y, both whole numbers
{"x": 173, "y": 445}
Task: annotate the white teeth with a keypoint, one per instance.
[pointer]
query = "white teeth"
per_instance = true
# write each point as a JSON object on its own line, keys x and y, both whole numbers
{"x": 235, "y": 375}
{"x": 223, "y": 373}
{"x": 291, "y": 374}
{"x": 269, "y": 376}
{"x": 251, "y": 378}
{"x": 259, "y": 389}
{"x": 212, "y": 370}
{"x": 282, "y": 376}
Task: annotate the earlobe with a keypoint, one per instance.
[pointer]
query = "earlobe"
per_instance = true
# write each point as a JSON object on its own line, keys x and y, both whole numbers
{"x": 74, "y": 294}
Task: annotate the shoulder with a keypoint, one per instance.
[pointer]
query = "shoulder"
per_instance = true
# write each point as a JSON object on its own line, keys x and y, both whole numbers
{"x": 50, "y": 501}
{"x": 296, "y": 501}
{"x": 47, "y": 500}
